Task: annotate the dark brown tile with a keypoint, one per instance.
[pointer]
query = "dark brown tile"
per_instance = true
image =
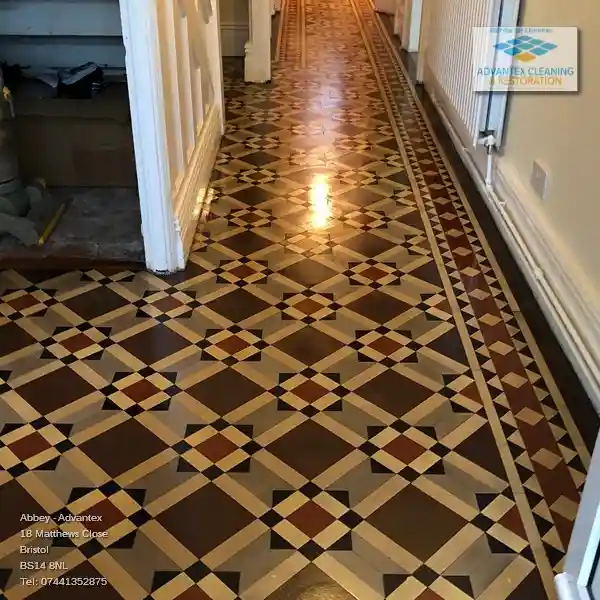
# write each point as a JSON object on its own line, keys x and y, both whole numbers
{"x": 55, "y": 390}
{"x": 95, "y": 303}
{"x": 417, "y": 522}
{"x": 192, "y": 520}
{"x": 154, "y": 344}
{"x": 15, "y": 502}
{"x": 369, "y": 245}
{"x": 480, "y": 448}
{"x": 123, "y": 447}
{"x": 327, "y": 106}
{"x": 394, "y": 392}
{"x": 309, "y": 345}
{"x": 246, "y": 243}
{"x": 14, "y": 338}
{"x": 225, "y": 391}
{"x": 310, "y": 449}
{"x": 253, "y": 196}
{"x": 449, "y": 344}
{"x": 308, "y": 272}
{"x": 238, "y": 305}
{"x": 379, "y": 306}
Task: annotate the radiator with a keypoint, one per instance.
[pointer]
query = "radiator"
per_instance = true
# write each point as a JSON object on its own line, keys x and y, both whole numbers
{"x": 449, "y": 58}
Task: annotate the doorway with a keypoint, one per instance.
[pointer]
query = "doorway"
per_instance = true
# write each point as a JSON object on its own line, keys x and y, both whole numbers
{"x": 166, "y": 56}
{"x": 64, "y": 67}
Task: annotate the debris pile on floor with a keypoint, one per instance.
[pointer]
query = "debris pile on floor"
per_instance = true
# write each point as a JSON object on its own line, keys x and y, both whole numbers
{"x": 27, "y": 213}
{"x": 30, "y": 213}
{"x": 80, "y": 83}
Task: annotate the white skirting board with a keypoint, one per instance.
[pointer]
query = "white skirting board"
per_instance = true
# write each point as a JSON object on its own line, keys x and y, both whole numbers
{"x": 233, "y": 38}
{"x": 192, "y": 194}
{"x": 574, "y": 311}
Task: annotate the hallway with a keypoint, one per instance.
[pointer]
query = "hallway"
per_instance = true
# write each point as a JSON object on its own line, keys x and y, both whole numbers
{"x": 339, "y": 396}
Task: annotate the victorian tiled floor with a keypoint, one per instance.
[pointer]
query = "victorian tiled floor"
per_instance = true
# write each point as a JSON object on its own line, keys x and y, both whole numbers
{"x": 338, "y": 397}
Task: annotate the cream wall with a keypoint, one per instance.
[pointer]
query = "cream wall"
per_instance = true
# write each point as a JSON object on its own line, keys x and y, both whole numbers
{"x": 234, "y": 11}
{"x": 234, "y": 26}
{"x": 563, "y": 132}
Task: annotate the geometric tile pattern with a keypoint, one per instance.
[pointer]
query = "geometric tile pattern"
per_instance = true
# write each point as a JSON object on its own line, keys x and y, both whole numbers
{"x": 338, "y": 395}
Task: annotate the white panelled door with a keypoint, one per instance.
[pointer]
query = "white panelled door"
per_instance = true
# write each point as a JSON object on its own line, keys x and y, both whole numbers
{"x": 175, "y": 77}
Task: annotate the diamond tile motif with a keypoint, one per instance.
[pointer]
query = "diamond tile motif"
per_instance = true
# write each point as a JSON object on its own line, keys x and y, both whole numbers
{"x": 310, "y": 449}
{"x": 154, "y": 344}
{"x": 123, "y": 447}
{"x": 308, "y": 272}
{"x": 191, "y": 521}
{"x": 399, "y": 520}
{"x": 296, "y": 414}
{"x": 309, "y": 345}
{"x": 379, "y": 307}
{"x": 238, "y": 305}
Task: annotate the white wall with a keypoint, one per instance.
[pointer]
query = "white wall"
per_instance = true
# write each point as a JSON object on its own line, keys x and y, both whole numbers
{"x": 61, "y": 33}
{"x": 558, "y": 129}
{"x": 562, "y": 230}
{"x": 234, "y": 26}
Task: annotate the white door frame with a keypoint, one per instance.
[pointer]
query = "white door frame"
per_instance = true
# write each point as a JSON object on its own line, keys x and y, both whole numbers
{"x": 584, "y": 546}
{"x": 166, "y": 245}
{"x": 140, "y": 36}
{"x": 423, "y": 26}
{"x": 411, "y": 29}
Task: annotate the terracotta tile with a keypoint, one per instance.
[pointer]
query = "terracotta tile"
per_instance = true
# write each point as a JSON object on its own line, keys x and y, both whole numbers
{"x": 29, "y": 446}
{"x": 77, "y": 342}
{"x": 141, "y": 390}
{"x": 216, "y": 447}
{"x": 109, "y": 515}
{"x": 310, "y": 391}
{"x": 404, "y": 449}
{"x": 311, "y": 519}
{"x": 233, "y": 344}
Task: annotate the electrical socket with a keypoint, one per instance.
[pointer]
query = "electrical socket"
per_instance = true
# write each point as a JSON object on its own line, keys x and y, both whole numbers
{"x": 539, "y": 179}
